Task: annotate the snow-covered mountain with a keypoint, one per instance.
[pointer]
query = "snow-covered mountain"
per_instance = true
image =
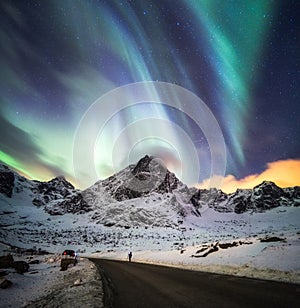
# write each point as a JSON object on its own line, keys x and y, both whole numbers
{"x": 144, "y": 194}
{"x": 56, "y": 197}
{"x": 262, "y": 197}
{"x": 144, "y": 202}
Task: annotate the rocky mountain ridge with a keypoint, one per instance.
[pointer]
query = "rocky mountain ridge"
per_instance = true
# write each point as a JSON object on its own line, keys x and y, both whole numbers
{"x": 56, "y": 196}
{"x": 262, "y": 197}
{"x": 144, "y": 183}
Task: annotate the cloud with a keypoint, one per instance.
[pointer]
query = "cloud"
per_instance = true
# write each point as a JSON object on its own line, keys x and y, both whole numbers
{"x": 284, "y": 173}
{"x": 21, "y": 151}
{"x": 17, "y": 142}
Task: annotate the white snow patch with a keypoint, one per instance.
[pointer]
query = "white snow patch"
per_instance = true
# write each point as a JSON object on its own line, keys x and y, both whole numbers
{"x": 45, "y": 279}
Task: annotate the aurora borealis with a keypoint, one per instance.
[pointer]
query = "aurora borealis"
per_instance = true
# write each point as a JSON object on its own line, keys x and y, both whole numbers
{"x": 241, "y": 58}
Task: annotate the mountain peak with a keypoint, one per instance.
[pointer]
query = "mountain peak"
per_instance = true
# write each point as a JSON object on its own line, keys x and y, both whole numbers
{"x": 61, "y": 181}
{"x": 268, "y": 187}
{"x": 266, "y": 183}
{"x": 145, "y": 164}
{"x": 137, "y": 180}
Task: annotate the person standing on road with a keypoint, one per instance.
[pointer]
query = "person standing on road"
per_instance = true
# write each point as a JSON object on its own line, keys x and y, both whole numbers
{"x": 130, "y": 256}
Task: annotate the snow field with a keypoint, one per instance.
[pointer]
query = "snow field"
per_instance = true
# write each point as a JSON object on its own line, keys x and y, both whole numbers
{"x": 272, "y": 261}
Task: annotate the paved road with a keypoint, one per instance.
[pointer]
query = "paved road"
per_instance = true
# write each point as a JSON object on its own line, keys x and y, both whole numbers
{"x": 144, "y": 285}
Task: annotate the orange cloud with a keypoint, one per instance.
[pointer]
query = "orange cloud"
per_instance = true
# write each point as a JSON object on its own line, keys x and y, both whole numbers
{"x": 284, "y": 173}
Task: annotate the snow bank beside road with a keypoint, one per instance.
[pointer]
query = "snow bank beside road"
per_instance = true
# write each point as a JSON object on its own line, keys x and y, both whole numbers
{"x": 263, "y": 260}
{"x": 44, "y": 285}
{"x": 81, "y": 287}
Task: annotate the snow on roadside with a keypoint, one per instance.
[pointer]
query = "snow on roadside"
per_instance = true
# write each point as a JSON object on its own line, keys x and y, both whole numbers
{"x": 263, "y": 260}
{"x": 44, "y": 285}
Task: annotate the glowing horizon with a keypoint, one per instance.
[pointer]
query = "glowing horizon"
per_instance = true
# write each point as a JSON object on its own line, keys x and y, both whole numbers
{"x": 284, "y": 173}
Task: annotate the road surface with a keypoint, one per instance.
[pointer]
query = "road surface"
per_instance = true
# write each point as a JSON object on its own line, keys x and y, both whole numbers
{"x": 130, "y": 284}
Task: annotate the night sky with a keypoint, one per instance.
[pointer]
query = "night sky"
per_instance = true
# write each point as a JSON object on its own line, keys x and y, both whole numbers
{"x": 59, "y": 59}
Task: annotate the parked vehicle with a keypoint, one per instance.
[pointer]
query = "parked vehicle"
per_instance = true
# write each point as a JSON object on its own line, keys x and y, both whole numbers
{"x": 69, "y": 254}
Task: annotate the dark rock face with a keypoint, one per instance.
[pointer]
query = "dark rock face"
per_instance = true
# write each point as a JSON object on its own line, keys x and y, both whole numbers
{"x": 59, "y": 197}
{"x": 142, "y": 165}
{"x": 268, "y": 189}
{"x": 6, "y": 261}
{"x": 169, "y": 184}
{"x": 124, "y": 193}
{"x": 7, "y": 180}
{"x": 195, "y": 199}
{"x": 292, "y": 192}
{"x": 214, "y": 198}
{"x": 267, "y": 195}
{"x": 74, "y": 204}
{"x": 55, "y": 189}
{"x": 21, "y": 267}
{"x": 241, "y": 204}
{"x": 148, "y": 175}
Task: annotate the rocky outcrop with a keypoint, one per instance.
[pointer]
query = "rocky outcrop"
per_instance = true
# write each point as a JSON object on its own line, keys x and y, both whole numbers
{"x": 293, "y": 192}
{"x": 6, "y": 261}
{"x": 57, "y": 186}
{"x": 21, "y": 267}
{"x": 5, "y": 283}
{"x": 72, "y": 204}
{"x": 7, "y": 179}
{"x": 56, "y": 189}
{"x": 267, "y": 195}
